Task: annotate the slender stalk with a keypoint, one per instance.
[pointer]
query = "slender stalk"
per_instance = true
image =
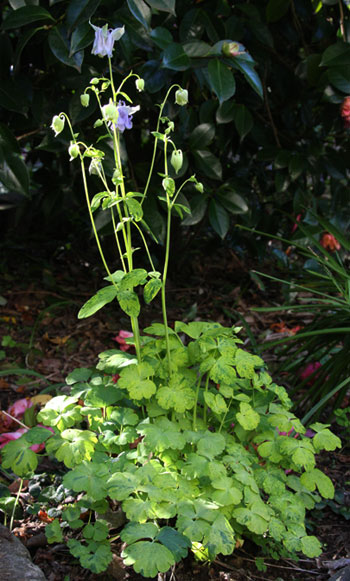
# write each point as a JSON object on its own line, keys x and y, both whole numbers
{"x": 194, "y": 421}
{"x": 156, "y": 141}
{"x": 205, "y": 405}
{"x": 15, "y": 505}
{"x": 165, "y": 269}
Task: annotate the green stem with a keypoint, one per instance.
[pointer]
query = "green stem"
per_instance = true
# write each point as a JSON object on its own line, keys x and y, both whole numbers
{"x": 225, "y": 414}
{"x": 194, "y": 422}
{"x": 205, "y": 405}
{"x": 15, "y": 505}
{"x": 165, "y": 269}
{"x": 92, "y": 218}
{"x": 156, "y": 141}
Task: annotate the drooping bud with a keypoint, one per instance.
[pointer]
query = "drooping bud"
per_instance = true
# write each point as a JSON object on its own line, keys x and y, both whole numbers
{"x": 85, "y": 99}
{"x": 94, "y": 81}
{"x": 57, "y": 124}
{"x": 140, "y": 84}
{"x": 181, "y": 97}
{"x": 110, "y": 112}
{"x": 176, "y": 160}
{"x": 73, "y": 151}
{"x": 199, "y": 187}
{"x": 169, "y": 186}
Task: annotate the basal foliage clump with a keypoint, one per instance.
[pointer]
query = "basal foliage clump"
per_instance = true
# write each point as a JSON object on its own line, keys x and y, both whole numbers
{"x": 190, "y": 435}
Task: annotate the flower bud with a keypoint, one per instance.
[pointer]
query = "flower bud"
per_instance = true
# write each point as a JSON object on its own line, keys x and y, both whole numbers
{"x": 140, "y": 84}
{"x": 110, "y": 112}
{"x": 73, "y": 151}
{"x": 98, "y": 123}
{"x": 94, "y": 81}
{"x": 169, "y": 186}
{"x": 85, "y": 99}
{"x": 57, "y": 124}
{"x": 176, "y": 159}
{"x": 181, "y": 97}
{"x": 231, "y": 49}
{"x": 199, "y": 187}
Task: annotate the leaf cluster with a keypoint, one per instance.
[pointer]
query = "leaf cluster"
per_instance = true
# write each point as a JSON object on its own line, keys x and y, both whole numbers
{"x": 204, "y": 458}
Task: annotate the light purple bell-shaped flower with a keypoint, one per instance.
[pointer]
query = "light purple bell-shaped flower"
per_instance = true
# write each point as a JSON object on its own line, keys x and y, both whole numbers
{"x": 104, "y": 40}
{"x": 125, "y": 114}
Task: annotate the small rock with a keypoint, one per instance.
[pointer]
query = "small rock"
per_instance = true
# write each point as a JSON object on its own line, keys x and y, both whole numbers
{"x": 342, "y": 575}
{"x": 15, "y": 559}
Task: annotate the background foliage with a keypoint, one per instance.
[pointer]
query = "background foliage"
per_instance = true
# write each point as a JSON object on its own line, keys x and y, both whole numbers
{"x": 263, "y": 130}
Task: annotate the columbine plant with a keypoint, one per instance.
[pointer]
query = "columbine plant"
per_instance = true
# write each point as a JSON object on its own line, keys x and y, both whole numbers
{"x": 190, "y": 437}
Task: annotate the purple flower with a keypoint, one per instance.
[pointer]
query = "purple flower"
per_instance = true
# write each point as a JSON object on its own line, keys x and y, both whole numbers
{"x": 104, "y": 40}
{"x": 125, "y": 114}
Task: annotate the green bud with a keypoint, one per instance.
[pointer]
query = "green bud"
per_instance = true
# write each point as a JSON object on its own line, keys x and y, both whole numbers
{"x": 110, "y": 112}
{"x": 94, "y": 81}
{"x": 176, "y": 159}
{"x": 231, "y": 49}
{"x": 85, "y": 99}
{"x": 169, "y": 186}
{"x": 140, "y": 84}
{"x": 171, "y": 127}
{"x": 73, "y": 151}
{"x": 181, "y": 97}
{"x": 57, "y": 124}
{"x": 98, "y": 123}
{"x": 199, "y": 187}
{"x": 117, "y": 177}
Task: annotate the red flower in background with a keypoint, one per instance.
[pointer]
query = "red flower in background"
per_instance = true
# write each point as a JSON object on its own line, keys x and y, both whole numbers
{"x": 120, "y": 338}
{"x": 310, "y": 370}
{"x": 345, "y": 112}
{"x": 328, "y": 241}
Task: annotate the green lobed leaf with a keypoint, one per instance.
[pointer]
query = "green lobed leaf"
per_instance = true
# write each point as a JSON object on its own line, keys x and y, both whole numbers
{"x": 161, "y": 435}
{"x": 135, "y": 531}
{"x": 248, "y": 418}
{"x": 177, "y": 395}
{"x": 151, "y": 289}
{"x": 21, "y": 459}
{"x": 97, "y": 531}
{"x": 325, "y": 440}
{"x": 53, "y": 532}
{"x": 220, "y": 538}
{"x": 211, "y": 444}
{"x": 148, "y": 558}
{"x": 312, "y": 478}
{"x": 311, "y": 546}
{"x": 177, "y": 543}
{"x": 89, "y": 477}
{"x": 121, "y": 485}
{"x": 100, "y": 299}
{"x": 221, "y": 80}
{"x": 135, "y": 379}
{"x": 134, "y": 208}
{"x": 246, "y": 362}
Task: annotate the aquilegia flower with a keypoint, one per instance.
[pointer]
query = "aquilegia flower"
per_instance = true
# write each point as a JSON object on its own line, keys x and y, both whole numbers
{"x": 104, "y": 40}
{"x": 125, "y": 114}
{"x": 345, "y": 112}
{"x": 120, "y": 338}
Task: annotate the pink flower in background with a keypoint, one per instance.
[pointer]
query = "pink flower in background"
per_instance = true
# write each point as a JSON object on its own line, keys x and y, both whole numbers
{"x": 9, "y": 436}
{"x": 310, "y": 370}
{"x": 120, "y": 338}
{"x": 297, "y": 220}
{"x": 345, "y": 111}
{"x": 18, "y": 409}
